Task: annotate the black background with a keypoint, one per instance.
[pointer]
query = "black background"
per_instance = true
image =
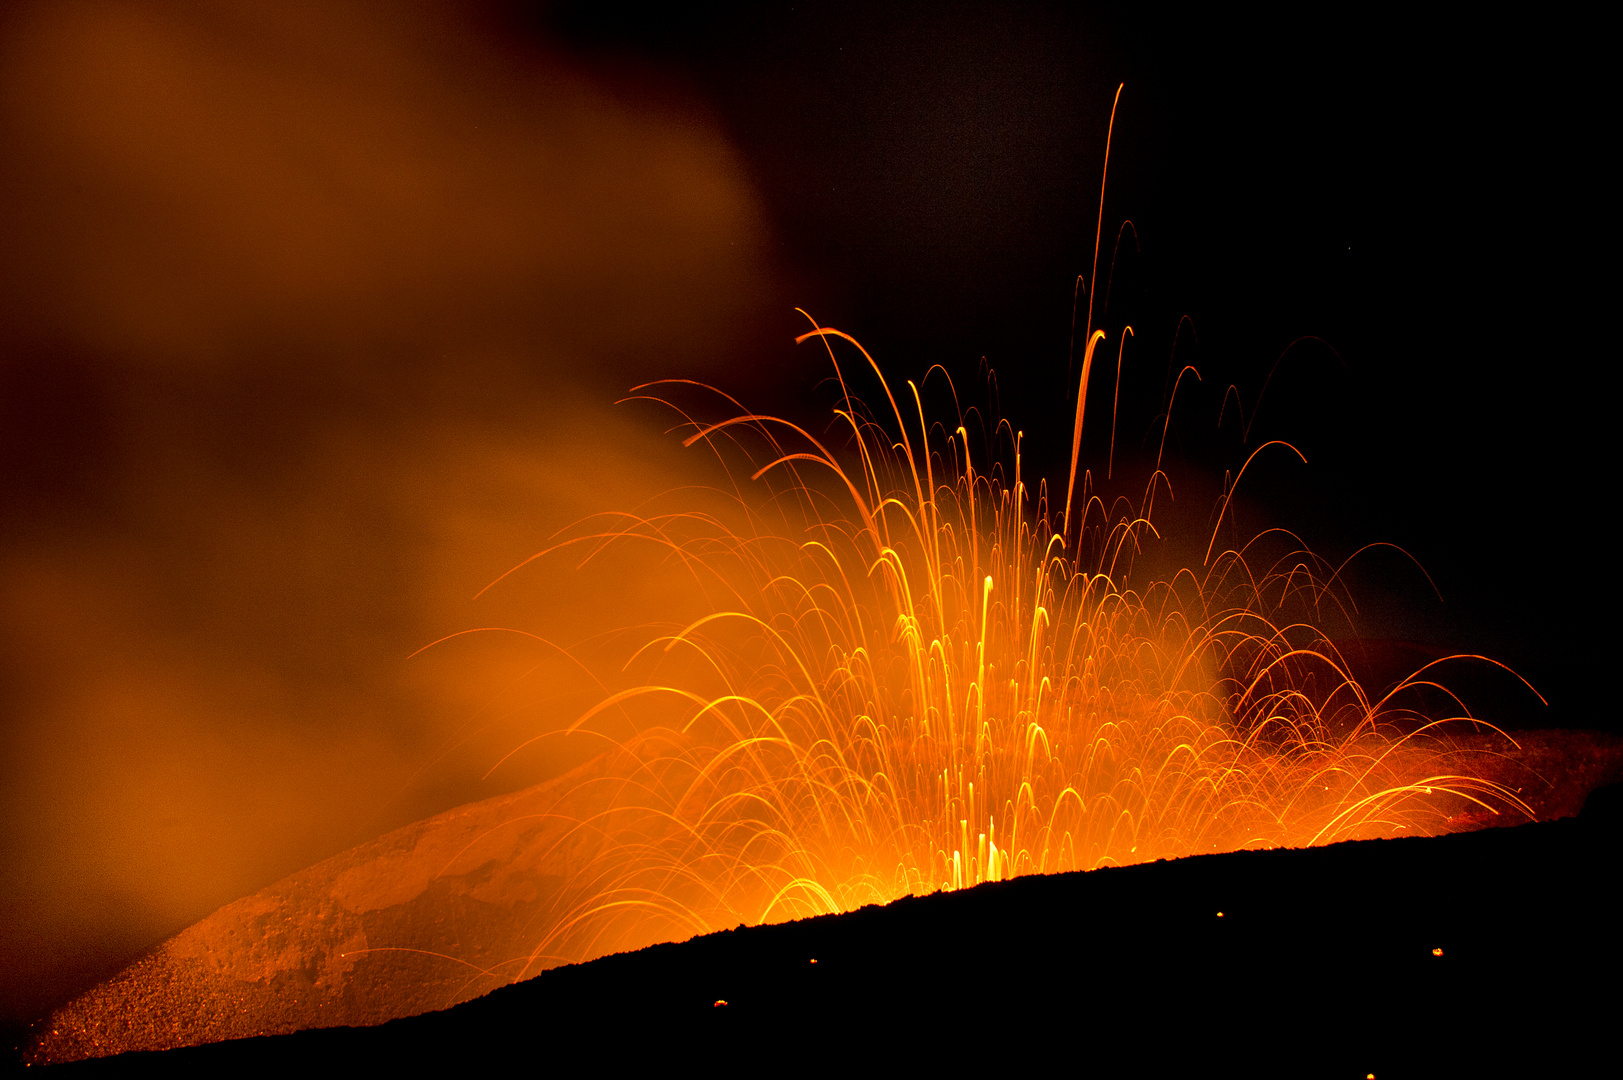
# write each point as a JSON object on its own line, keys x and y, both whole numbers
{"x": 1397, "y": 215}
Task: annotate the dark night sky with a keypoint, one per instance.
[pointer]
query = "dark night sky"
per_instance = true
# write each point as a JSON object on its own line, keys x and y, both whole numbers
{"x": 308, "y": 315}
{"x": 1413, "y": 201}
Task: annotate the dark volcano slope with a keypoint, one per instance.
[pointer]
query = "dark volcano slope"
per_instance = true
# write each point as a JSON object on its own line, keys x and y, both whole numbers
{"x": 1321, "y": 963}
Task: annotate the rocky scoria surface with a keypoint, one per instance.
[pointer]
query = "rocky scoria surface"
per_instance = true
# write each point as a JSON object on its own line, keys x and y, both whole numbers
{"x": 431, "y": 914}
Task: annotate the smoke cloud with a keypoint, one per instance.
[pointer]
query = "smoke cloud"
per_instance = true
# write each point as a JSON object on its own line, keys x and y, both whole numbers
{"x": 311, "y": 321}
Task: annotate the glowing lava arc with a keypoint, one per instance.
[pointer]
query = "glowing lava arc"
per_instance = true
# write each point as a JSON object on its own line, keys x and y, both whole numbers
{"x": 916, "y": 684}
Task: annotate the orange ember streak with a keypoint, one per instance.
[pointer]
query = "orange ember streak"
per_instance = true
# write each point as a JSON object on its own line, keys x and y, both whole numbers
{"x": 1099, "y": 228}
{"x": 1093, "y": 336}
{"x": 1076, "y": 431}
{"x": 1115, "y": 401}
{"x": 1229, "y": 494}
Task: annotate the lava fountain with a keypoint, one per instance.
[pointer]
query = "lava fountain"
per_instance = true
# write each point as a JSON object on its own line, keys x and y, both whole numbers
{"x": 919, "y": 678}
{"x": 912, "y": 673}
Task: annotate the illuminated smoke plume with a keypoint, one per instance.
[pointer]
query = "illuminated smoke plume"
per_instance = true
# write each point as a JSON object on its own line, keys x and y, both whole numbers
{"x": 309, "y": 323}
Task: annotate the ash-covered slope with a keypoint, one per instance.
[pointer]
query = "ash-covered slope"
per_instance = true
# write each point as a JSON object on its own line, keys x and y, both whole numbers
{"x": 449, "y": 908}
{"x": 437, "y": 912}
{"x": 1485, "y": 953}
